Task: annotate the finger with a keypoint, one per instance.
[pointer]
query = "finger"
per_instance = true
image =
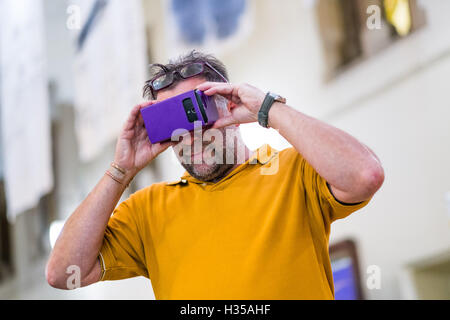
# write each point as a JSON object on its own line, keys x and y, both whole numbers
{"x": 160, "y": 147}
{"x": 148, "y": 103}
{"x": 135, "y": 114}
{"x": 167, "y": 144}
{"x": 224, "y": 122}
{"x": 140, "y": 121}
{"x": 224, "y": 90}
{"x": 207, "y": 85}
{"x": 131, "y": 120}
{"x": 142, "y": 134}
{"x": 221, "y": 88}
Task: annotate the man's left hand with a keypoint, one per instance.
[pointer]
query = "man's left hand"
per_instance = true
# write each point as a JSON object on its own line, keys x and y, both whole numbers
{"x": 244, "y": 101}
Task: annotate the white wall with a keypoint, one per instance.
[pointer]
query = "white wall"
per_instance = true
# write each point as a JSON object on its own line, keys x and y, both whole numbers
{"x": 408, "y": 127}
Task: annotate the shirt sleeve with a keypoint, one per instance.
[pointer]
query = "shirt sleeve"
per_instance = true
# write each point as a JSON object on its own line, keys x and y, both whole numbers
{"x": 318, "y": 191}
{"x": 122, "y": 252}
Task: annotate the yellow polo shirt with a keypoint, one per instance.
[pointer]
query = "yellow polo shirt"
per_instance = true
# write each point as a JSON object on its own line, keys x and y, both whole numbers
{"x": 260, "y": 233}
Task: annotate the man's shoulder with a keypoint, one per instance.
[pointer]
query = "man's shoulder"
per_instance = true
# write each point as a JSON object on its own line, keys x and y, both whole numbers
{"x": 288, "y": 157}
{"x": 289, "y": 152}
{"x": 157, "y": 188}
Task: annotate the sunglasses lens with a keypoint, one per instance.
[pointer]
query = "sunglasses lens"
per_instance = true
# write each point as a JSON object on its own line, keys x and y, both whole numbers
{"x": 162, "y": 81}
{"x": 191, "y": 70}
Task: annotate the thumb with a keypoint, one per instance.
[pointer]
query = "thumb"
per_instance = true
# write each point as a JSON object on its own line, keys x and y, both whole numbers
{"x": 224, "y": 122}
{"x": 162, "y": 146}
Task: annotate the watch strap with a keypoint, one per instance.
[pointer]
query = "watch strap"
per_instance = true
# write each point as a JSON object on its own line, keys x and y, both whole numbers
{"x": 263, "y": 114}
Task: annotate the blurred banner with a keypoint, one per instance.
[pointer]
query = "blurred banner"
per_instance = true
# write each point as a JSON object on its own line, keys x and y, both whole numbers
{"x": 110, "y": 70}
{"x": 24, "y": 101}
{"x": 206, "y": 25}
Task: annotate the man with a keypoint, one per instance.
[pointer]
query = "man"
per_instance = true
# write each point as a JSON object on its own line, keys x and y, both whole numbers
{"x": 251, "y": 229}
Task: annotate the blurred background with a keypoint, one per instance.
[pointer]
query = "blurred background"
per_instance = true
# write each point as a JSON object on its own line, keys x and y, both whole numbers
{"x": 71, "y": 70}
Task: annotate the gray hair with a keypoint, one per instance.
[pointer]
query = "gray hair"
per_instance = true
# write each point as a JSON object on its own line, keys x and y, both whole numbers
{"x": 157, "y": 69}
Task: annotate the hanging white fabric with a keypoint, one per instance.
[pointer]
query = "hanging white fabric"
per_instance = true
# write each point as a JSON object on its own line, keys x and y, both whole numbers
{"x": 25, "y": 115}
{"x": 110, "y": 71}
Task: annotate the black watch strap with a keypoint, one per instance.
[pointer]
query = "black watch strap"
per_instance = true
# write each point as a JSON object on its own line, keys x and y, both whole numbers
{"x": 263, "y": 114}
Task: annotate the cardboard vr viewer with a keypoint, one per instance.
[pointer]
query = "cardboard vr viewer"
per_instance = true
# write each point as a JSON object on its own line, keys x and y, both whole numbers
{"x": 179, "y": 112}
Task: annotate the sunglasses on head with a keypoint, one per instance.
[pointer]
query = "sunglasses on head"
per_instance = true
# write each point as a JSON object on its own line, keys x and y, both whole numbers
{"x": 188, "y": 71}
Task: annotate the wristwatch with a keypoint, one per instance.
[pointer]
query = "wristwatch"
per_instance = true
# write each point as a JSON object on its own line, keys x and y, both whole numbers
{"x": 269, "y": 100}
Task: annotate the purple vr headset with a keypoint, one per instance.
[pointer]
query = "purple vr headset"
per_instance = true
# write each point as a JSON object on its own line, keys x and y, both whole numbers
{"x": 179, "y": 112}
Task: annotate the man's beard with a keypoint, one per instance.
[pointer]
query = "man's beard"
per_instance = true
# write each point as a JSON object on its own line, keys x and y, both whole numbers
{"x": 212, "y": 168}
{"x": 210, "y": 164}
{"x": 206, "y": 172}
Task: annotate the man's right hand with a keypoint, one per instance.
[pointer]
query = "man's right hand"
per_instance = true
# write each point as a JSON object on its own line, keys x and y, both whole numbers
{"x": 134, "y": 150}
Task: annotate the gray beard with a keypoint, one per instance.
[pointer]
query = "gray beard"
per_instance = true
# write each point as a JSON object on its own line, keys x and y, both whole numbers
{"x": 217, "y": 170}
{"x": 214, "y": 172}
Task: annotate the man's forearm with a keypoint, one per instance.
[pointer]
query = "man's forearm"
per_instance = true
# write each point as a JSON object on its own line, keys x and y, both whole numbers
{"x": 81, "y": 238}
{"x": 344, "y": 162}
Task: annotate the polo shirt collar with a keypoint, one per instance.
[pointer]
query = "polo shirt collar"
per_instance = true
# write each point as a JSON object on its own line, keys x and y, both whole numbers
{"x": 262, "y": 155}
